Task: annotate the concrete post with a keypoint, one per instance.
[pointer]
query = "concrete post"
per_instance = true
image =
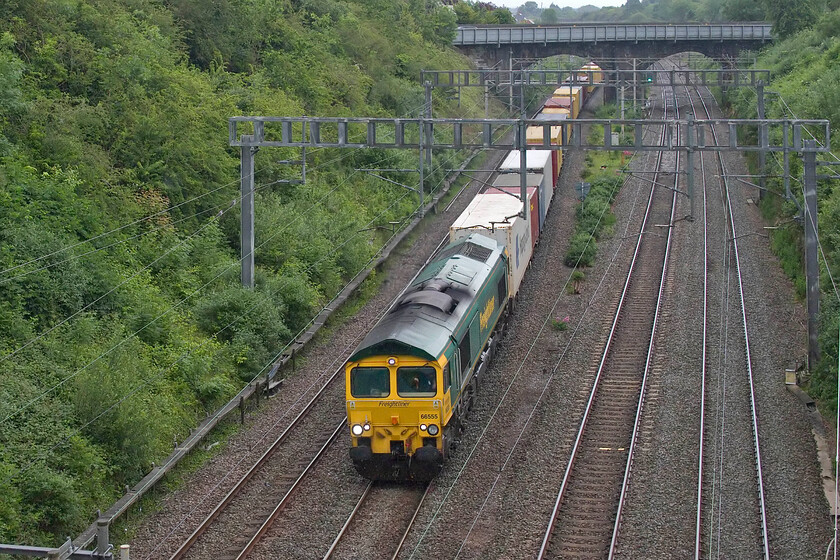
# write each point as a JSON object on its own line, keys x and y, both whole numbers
{"x": 246, "y": 175}
{"x": 124, "y": 552}
{"x": 812, "y": 268}
{"x": 102, "y": 535}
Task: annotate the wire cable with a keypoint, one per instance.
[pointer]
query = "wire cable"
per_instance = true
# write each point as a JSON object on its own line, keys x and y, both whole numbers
{"x": 118, "y": 229}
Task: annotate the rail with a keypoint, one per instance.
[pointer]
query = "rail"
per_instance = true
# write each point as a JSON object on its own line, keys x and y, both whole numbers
{"x": 588, "y": 412}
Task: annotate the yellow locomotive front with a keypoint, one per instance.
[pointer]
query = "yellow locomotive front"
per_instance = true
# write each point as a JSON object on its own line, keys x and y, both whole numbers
{"x": 396, "y": 409}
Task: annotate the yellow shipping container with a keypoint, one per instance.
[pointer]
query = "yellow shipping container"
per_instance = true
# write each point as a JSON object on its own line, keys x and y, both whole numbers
{"x": 597, "y": 75}
{"x": 575, "y": 93}
{"x": 534, "y": 135}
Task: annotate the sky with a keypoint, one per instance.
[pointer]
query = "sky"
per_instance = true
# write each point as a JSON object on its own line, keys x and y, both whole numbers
{"x": 562, "y": 3}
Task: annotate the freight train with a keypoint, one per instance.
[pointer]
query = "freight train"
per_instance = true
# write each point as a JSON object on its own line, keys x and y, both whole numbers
{"x": 412, "y": 380}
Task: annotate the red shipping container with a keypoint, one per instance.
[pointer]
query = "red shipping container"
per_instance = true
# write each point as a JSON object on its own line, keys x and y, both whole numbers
{"x": 533, "y": 208}
{"x": 558, "y": 103}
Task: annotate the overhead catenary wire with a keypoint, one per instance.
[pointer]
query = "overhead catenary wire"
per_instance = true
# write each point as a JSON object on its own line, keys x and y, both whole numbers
{"x": 509, "y": 387}
{"x": 160, "y": 372}
{"x": 288, "y": 409}
{"x": 224, "y": 209}
{"x": 58, "y": 385}
{"x": 158, "y": 317}
{"x": 125, "y": 281}
{"x": 189, "y": 352}
{"x": 116, "y": 230}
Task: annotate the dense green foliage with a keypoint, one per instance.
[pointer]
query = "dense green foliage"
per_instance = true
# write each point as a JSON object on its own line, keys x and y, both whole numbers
{"x": 482, "y": 13}
{"x": 122, "y": 321}
{"x": 787, "y": 16}
{"x": 806, "y": 70}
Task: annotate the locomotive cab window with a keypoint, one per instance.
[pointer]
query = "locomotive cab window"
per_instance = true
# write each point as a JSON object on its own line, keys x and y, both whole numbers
{"x": 447, "y": 377}
{"x": 416, "y": 381}
{"x": 370, "y": 382}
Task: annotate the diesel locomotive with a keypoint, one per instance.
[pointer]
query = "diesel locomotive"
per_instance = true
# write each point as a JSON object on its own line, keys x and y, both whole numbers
{"x": 414, "y": 376}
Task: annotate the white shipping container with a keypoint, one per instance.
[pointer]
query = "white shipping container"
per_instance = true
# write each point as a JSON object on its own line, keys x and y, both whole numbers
{"x": 542, "y": 182}
{"x": 496, "y": 215}
{"x": 536, "y": 161}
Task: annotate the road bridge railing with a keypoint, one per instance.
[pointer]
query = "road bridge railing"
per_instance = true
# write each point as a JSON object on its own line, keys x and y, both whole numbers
{"x": 499, "y": 35}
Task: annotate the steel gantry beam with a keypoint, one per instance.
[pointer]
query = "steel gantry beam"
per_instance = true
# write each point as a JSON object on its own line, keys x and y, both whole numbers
{"x": 773, "y": 135}
{"x": 611, "y": 77}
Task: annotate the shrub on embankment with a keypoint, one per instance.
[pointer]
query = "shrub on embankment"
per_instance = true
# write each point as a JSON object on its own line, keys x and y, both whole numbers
{"x": 121, "y": 316}
{"x": 805, "y": 70}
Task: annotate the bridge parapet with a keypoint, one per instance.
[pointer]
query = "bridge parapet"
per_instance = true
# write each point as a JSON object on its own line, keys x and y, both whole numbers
{"x": 499, "y": 35}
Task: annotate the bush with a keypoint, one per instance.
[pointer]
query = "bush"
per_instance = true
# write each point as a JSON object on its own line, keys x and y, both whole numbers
{"x": 582, "y": 250}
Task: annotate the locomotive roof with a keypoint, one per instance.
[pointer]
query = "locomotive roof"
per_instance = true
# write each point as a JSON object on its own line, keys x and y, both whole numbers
{"x": 422, "y": 320}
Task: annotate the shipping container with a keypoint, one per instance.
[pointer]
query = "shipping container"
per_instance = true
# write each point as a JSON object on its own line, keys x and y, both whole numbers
{"x": 535, "y": 135}
{"x": 498, "y": 216}
{"x": 556, "y": 111}
{"x": 536, "y": 161}
{"x": 536, "y": 217}
{"x": 538, "y": 180}
{"x": 556, "y": 115}
{"x": 597, "y": 75}
{"x": 571, "y": 92}
{"x": 558, "y": 103}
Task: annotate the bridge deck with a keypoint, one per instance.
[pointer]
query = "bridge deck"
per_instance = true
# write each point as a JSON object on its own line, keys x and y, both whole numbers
{"x": 595, "y": 32}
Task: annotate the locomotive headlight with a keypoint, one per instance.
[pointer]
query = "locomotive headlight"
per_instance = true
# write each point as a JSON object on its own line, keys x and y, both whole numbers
{"x": 423, "y": 427}
{"x": 392, "y": 361}
{"x": 433, "y": 429}
{"x": 367, "y": 427}
{"x": 357, "y": 430}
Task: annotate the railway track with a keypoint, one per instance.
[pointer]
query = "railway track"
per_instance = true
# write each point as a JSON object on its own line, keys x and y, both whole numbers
{"x": 240, "y": 520}
{"x": 740, "y": 383}
{"x": 587, "y": 511}
{"x": 402, "y": 504}
{"x": 225, "y": 533}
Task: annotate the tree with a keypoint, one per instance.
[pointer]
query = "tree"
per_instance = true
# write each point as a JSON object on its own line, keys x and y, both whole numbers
{"x": 549, "y": 16}
{"x": 632, "y": 6}
{"x": 742, "y": 10}
{"x": 791, "y": 16}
